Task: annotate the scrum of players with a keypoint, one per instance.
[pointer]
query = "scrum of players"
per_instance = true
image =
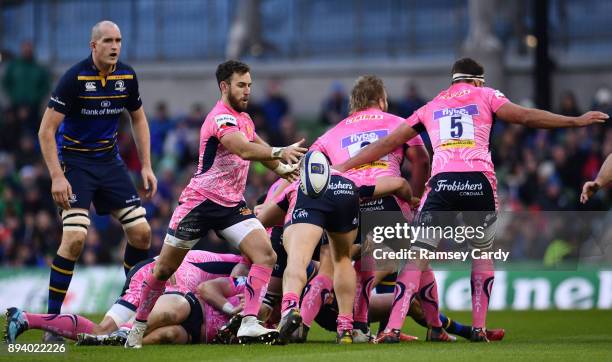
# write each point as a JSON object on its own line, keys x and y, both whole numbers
{"x": 317, "y": 272}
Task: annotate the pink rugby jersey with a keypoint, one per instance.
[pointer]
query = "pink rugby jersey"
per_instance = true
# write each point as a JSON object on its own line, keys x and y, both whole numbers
{"x": 347, "y": 138}
{"x": 197, "y": 267}
{"x": 200, "y": 266}
{"x": 221, "y": 175}
{"x": 459, "y": 121}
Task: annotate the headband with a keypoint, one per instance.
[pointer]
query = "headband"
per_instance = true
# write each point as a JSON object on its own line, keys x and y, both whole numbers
{"x": 464, "y": 76}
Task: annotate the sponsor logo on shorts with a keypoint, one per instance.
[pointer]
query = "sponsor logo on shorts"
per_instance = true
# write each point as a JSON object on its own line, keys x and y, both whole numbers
{"x": 245, "y": 211}
{"x": 132, "y": 199}
{"x": 72, "y": 199}
{"x": 189, "y": 229}
{"x": 300, "y": 214}
{"x": 355, "y": 221}
{"x": 341, "y": 188}
{"x": 467, "y": 188}
{"x": 425, "y": 217}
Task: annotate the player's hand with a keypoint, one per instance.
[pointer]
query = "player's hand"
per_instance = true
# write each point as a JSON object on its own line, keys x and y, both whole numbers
{"x": 592, "y": 117}
{"x": 149, "y": 181}
{"x": 288, "y": 172}
{"x": 588, "y": 190}
{"x": 293, "y": 153}
{"x": 61, "y": 191}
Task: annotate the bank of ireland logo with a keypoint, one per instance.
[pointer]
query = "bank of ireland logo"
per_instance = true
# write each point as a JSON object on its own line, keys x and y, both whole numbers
{"x": 105, "y": 103}
{"x": 119, "y": 86}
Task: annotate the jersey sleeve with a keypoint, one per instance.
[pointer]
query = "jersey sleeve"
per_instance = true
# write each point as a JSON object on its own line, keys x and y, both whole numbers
{"x": 225, "y": 124}
{"x": 415, "y": 141}
{"x": 416, "y": 120}
{"x": 134, "y": 102}
{"x": 496, "y": 99}
{"x": 282, "y": 200}
{"x": 64, "y": 95}
{"x": 319, "y": 145}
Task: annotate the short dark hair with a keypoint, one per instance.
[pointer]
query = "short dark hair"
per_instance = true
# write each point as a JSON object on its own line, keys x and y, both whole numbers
{"x": 467, "y": 66}
{"x": 226, "y": 69}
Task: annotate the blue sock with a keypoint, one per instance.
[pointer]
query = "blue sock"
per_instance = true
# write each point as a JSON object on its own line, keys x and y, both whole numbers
{"x": 133, "y": 256}
{"x": 454, "y": 327}
{"x": 59, "y": 281}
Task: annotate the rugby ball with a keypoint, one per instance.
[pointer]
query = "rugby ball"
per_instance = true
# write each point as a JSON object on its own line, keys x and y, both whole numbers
{"x": 314, "y": 174}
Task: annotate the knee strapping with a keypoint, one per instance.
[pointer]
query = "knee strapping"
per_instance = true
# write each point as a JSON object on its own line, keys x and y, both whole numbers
{"x": 130, "y": 216}
{"x": 75, "y": 220}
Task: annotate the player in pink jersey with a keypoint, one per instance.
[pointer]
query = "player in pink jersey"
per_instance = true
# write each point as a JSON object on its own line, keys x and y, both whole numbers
{"x": 178, "y": 309}
{"x": 458, "y": 121}
{"x": 214, "y": 200}
{"x": 367, "y": 122}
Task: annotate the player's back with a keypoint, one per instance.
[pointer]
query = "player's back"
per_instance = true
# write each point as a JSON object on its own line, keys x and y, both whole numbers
{"x": 459, "y": 121}
{"x": 200, "y": 266}
{"x": 355, "y": 132}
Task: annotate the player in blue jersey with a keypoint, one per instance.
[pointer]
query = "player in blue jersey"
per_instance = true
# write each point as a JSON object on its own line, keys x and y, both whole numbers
{"x": 78, "y": 138}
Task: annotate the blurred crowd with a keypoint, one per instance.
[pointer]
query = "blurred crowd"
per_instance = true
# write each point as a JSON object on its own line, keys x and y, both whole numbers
{"x": 537, "y": 170}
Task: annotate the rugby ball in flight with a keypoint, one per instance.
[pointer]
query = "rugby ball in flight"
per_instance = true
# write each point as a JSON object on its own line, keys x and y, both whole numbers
{"x": 314, "y": 174}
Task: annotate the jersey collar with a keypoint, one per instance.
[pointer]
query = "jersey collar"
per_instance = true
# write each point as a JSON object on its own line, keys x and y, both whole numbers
{"x": 102, "y": 77}
{"x": 229, "y": 109}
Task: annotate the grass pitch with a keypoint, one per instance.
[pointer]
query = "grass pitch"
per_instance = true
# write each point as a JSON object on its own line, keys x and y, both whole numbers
{"x": 533, "y": 335}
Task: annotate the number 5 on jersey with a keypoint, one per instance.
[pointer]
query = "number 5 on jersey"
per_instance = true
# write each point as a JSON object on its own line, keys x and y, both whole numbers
{"x": 456, "y": 126}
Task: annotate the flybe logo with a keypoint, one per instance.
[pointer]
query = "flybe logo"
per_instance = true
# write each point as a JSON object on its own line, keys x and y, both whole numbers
{"x": 361, "y": 137}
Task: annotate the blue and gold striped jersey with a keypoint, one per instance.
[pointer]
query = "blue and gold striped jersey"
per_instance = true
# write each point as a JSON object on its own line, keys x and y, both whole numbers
{"x": 92, "y": 105}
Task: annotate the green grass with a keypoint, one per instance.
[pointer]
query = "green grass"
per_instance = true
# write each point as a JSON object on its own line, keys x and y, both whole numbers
{"x": 535, "y": 335}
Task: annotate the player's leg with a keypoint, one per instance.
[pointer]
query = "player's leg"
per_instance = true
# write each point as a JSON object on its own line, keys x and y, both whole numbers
{"x": 345, "y": 280}
{"x": 65, "y": 325}
{"x": 174, "y": 334}
{"x": 242, "y": 229}
{"x": 318, "y": 288}
{"x": 138, "y": 234}
{"x": 118, "y": 196}
{"x": 185, "y": 229}
{"x": 300, "y": 241}
{"x": 75, "y": 222}
{"x": 484, "y": 216}
{"x": 169, "y": 310}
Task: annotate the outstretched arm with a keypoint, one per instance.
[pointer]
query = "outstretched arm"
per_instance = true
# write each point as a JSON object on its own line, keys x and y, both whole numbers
{"x": 537, "y": 118}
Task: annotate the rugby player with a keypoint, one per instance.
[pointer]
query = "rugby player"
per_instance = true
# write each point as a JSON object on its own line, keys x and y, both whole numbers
{"x": 180, "y": 306}
{"x": 459, "y": 122}
{"x": 214, "y": 200}
{"x": 367, "y": 122}
{"x": 78, "y": 140}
